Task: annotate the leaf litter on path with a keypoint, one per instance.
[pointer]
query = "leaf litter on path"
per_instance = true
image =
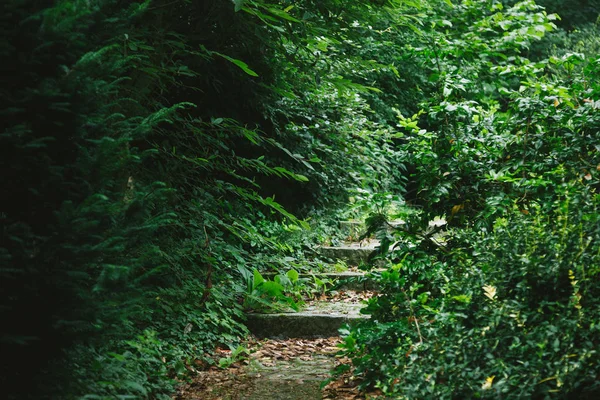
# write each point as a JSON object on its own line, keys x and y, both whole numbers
{"x": 276, "y": 370}
{"x": 282, "y": 369}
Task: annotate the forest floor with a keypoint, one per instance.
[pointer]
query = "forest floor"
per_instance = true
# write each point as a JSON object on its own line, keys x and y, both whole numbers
{"x": 297, "y": 358}
{"x": 278, "y": 370}
{"x": 282, "y": 369}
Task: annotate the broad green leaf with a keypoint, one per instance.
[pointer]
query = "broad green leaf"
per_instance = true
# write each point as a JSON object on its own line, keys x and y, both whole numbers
{"x": 282, "y": 14}
{"x": 258, "y": 278}
{"x": 242, "y": 65}
{"x": 293, "y": 275}
{"x": 272, "y": 288}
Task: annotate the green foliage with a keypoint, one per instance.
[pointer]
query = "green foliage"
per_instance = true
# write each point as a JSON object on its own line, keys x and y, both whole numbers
{"x": 573, "y": 12}
{"x": 449, "y": 322}
{"x": 263, "y": 294}
{"x": 152, "y": 155}
{"x": 143, "y": 367}
{"x": 147, "y": 149}
{"x": 321, "y": 285}
{"x": 237, "y": 353}
{"x": 285, "y": 292}
{"x": 484, "y": 292}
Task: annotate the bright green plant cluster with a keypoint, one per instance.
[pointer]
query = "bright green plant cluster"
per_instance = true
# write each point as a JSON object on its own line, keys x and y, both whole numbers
{"x": 287, "y": 291}
{"x": 279, "y": 294}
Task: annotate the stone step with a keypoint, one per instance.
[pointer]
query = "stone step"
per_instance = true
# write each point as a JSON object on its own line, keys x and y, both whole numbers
{"x": 354, "y": 228}
{"x": 352, "y": 253}
{"x": 349, "y": 280}
{"x": 321, "y": 319}
{"x": 289, "y": 380}
{"x": 345, "y": 280}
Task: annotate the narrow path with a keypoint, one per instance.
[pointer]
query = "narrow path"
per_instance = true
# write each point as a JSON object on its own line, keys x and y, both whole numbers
{"x": 278, "y": 369}
{"x": 294, "y": 352}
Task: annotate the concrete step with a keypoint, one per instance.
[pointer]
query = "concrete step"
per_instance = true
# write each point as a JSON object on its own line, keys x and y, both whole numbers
{"x": 352, "y": 253}
{"x": 354, "y": 227}
{"x": 295, "y": 379}
{"x": 291, "y": 380}
{"x": 345, "y": 280}
{"x": 349, "y": 280}
{"x": 321, "y": 319}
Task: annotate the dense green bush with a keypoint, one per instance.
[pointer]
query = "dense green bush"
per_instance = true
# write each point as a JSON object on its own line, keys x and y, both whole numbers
{"x": 492, "y": 286}
{"x": 154, "y": 149}
{"x": 573, "y": 13}
{"x": 149, "y": 148}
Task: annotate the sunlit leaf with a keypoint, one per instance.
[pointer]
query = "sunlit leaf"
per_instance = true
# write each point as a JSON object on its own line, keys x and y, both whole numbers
{"x": 487, "y": 385}
{"x": 437, "y": 222}
{"x": 489, "y": 291}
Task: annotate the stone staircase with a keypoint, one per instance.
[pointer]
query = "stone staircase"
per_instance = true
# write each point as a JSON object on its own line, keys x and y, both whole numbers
{"x": 321, "y": 318}
{"x": 295, "y": 351}
{"x": 300, "y": 378}
{"x": 352, "y": 253}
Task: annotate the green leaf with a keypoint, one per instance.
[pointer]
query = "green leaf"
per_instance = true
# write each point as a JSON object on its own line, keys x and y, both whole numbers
{"x": 272, "y": 288}
{"x": 293, "y": 275}
{"x": 282, "y": 14}
{"x": 117, "y": 356}
{"x": 462, "y": 298}
{"x": 135, "y": 386}
{"x": 251, "y": 135}
{"x": 180, "y": 368}
{"x": 258, "y": 278}
{"x": 285, "y": 172}
{"x": 322, "y": 45}
{"x": 242, "y": 65}
{"x": 224, "y": 362}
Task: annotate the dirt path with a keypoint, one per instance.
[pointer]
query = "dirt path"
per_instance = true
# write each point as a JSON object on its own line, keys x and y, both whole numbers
{"x": 291, "y": 369}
